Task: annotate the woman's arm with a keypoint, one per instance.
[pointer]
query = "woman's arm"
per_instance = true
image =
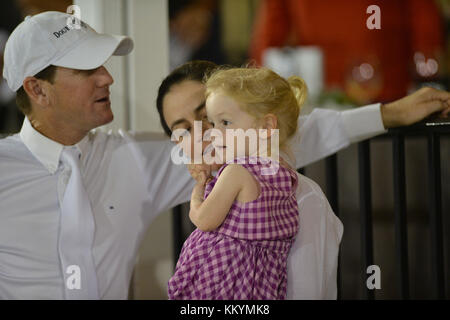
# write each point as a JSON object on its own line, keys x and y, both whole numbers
{"x": 209, "y": 214}
{"x": 324, "y": 132}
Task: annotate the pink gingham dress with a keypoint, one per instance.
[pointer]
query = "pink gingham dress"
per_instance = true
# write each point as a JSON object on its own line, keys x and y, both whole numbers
{"x": 246, "y": 257}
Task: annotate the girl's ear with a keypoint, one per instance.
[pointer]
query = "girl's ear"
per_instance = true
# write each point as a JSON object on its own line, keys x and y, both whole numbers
{"x": 269, "y": 122}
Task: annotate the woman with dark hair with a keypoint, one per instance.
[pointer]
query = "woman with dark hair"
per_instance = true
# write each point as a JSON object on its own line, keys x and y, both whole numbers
{"x": 190, "y": 71}
{"x": 312, "y": 262}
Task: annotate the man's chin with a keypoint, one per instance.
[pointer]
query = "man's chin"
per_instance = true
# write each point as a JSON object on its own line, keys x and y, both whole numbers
{"x": 104, "y": 120}
{"x": 108, "y": 118}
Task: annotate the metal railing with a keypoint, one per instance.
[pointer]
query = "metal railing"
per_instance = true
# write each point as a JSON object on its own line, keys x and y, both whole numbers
{"x": 433, "y": 131}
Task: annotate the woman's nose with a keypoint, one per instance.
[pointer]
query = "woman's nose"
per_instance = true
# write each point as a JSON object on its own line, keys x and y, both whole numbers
{"x": 206, "y": 125}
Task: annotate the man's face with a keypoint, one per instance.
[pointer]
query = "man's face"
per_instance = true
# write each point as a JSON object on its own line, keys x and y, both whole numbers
{"x": 80, "y": 98}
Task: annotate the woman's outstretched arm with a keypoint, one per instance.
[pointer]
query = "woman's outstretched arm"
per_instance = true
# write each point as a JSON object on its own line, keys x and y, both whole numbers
{"x": 324, "y": 132}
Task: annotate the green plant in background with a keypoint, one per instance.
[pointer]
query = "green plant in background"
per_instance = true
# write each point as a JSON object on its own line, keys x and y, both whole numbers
{"x": 335, "y": 96}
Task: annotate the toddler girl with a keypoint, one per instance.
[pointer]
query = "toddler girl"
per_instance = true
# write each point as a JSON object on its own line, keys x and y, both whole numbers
{"x": 246, "y": 218}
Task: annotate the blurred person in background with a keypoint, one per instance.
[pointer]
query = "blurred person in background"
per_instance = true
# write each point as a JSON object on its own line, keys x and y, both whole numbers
{"x": 194, "y": 31}
{"x": 408, "y": 46}
{"x": 12, "y": 12}
{"x": 10, "y": 117}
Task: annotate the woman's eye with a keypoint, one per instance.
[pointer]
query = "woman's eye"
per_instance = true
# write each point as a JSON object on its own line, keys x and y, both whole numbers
{"x": 226, "y": 122}
{"x": 186, "y": 132}
{"x": 211, "y": 124}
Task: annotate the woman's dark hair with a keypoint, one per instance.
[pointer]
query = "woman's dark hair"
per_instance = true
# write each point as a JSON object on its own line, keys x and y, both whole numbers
{"x": 193, "y": 70}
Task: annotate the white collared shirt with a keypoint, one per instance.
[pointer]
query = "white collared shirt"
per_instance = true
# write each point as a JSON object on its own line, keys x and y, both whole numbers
{"x": 130, "y": 179}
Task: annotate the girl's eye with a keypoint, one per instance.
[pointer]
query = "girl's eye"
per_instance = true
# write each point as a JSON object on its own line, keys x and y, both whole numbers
{"x": 226, "y": 122}
{"x": 211, "y": 123}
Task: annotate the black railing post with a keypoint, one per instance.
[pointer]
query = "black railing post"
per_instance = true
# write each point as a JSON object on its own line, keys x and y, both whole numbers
{"x": 332, "y": 182}
{"x": 177, "y": 230}
{"x": 365, "y": 203}
{"x": 435, "y": 207}
{"x": 401, "y": 235}
{"x": 332, "y": 195}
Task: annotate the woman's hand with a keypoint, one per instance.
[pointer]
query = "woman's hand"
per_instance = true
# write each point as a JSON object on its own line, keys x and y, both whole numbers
{"x": 415, "y": 107}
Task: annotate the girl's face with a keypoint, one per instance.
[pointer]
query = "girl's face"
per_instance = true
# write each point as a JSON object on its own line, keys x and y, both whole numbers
{"x": 225, "y": 113}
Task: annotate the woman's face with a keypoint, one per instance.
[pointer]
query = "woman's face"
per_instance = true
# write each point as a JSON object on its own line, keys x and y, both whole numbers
{"x": 183, "y": 104}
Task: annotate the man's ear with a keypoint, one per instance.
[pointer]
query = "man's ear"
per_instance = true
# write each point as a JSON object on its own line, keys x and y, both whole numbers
{"x": 269, "y": 122}
{"x": 37, "y": 91}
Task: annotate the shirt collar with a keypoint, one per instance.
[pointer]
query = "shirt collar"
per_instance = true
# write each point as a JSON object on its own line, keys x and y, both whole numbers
{"x": 47, "y": 151}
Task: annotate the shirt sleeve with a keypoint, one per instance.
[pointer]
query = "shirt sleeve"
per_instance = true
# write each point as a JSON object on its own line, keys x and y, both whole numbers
{"x": 167, "y": 180}
{"x": 324, "y": 132}
{"x": 313, "y": 259}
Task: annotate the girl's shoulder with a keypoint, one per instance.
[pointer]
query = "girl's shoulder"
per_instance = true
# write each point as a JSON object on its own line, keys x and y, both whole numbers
{"x": 236, "y": 172}
{"x": 241, "y": 174}
{"x": 264, "y": 170}
{"x": 241, "y": 166}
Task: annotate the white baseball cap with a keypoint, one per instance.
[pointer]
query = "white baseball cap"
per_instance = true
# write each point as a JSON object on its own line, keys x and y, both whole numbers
{"x": 50, "y": 38}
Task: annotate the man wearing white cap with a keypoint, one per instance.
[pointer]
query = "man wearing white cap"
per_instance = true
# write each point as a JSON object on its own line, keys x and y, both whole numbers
{"x": 75, "y": 203}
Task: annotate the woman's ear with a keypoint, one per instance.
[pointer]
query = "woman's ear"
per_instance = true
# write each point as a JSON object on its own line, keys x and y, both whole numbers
{"x": 269, "y": 122}
{"x": 37, "y": 91}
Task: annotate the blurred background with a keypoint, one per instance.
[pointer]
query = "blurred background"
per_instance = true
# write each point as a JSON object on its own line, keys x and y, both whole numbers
{"x": 327, "y": 42}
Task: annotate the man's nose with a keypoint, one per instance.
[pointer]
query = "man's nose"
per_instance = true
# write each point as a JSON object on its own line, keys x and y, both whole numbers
{"x": 105, "y": 78}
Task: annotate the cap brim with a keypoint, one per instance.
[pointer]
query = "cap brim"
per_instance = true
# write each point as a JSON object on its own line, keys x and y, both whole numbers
{"x": 95, "y": 51}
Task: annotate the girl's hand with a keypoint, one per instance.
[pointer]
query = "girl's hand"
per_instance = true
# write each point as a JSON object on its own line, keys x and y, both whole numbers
{"x": 199, "y": 189}
{"x": 196, "y": 171}
{"x": 201, "y": 179}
